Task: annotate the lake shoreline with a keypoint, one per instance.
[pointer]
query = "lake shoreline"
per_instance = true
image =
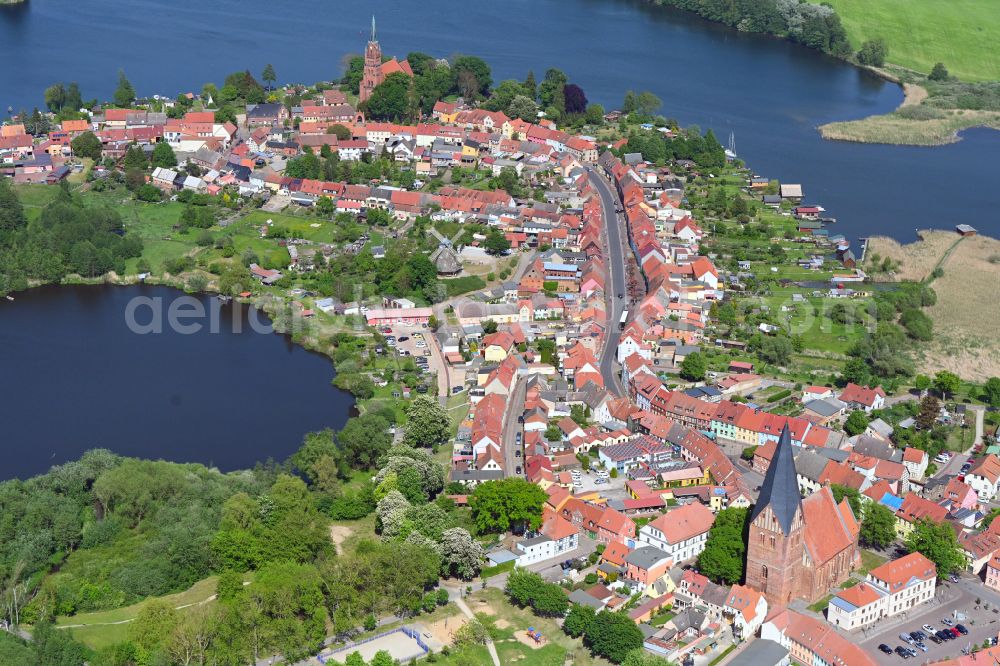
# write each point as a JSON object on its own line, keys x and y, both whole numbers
{"x": 164, "y": 405}
{"x": 893, "y": 129}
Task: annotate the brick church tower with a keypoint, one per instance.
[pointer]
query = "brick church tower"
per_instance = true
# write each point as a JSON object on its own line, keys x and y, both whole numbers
{"x": 775, "y": 551}
{"x": 373, "y": 66}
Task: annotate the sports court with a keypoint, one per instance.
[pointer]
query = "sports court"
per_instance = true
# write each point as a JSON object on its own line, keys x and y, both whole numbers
{"x": 403, "y": 644}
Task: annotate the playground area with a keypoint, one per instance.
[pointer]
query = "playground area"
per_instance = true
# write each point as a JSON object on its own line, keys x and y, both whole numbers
{"x": 532, "y": 638}
{"x": 403, "y": 644}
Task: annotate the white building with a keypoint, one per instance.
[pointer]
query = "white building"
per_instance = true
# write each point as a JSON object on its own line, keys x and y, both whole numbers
{"x": 747, "y": 607}
{"x": 681, "y": 533}
{"x": 893, "y": 588}
{"x": 558, "y": 537}
{"x": 984, "y": 477}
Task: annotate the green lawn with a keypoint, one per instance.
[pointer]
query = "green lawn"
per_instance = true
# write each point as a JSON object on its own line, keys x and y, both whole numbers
{"x": 109, "y": 627}
{"x": 821, "y": 605}
{"x": 310, "y": 228}
{"x": 870, "y": 560}
{"x": 557, "y": 648}
{"x": 963, "y": 34}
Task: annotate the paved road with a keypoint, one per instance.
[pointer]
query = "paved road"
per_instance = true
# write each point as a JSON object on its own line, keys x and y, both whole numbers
{"x": 616, "y": 268}
{"x": 511, "y": 426}
{"x": 980, "y": 413}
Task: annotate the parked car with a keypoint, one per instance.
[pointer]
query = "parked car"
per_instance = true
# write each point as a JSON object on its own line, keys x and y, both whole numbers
{"x": 885, "y": 648}
{"x": 961, "y": 629}
{"x": 457, "y": 389}
{"x": 934, "y": 638}
{"x": 928, "y": 628}
{"x": 403, "y": 338}
{"x": 944, "y": 635}
{"x": 902, "y": 652}
{"x": 920, "y": 646}
{"x": 906, "y": 638}
{"x": 953, "y": 578}
{"x": 955, "y": 632}
{"x": 917, "y": 635}
{"x": 946, "y": 622}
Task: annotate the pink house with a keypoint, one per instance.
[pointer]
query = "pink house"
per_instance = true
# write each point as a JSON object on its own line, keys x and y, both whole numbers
{"x": 646, "y": 565}
{"x": 961, "y": 495}
{"x": 993, "y": 573}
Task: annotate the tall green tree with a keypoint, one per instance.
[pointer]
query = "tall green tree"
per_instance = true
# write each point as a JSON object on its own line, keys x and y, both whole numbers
{"x": 498, "y": 506}
{"x": 86, "y": 144}
{"x": 11, "y": 211}
{"x": 873, "y": 52}
{"x": 390, "y": 100}
{"x": 939, "y": 72}
{"x": 163, "y": 156}
{"x": 578, "y": 620}
{"x": 853, "y": 497}
{"x": 613, "y": 636}
{"x": 427, "y": 424}
{"x": 856, "y": 423}
{"x": 725, "y": 549}
{"x": 991, "y": 391}
{"x": 479, "y": 70}
{"x": 268, "y": 75}
{"x": 938, "y": 543}
{"x": 55, "y": 97}
{"x": 878, "y": 525}
{"x": 693, "y": 367}
{"x": 124, "y": 93}
{"x": 947, "y": 383}
{"x": 550, "y": 91}
{"x": 930, "y": 408}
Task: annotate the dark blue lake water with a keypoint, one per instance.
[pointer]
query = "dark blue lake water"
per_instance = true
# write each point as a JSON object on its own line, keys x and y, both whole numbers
{"x": 76, "y": 377}
{"x": 772, "y": 94}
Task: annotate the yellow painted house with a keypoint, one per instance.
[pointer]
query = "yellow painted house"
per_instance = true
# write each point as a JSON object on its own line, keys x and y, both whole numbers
{"x": 470, "y": 152}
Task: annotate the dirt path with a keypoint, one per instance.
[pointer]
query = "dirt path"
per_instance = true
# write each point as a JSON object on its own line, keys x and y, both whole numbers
{"x": 462, "y": 606}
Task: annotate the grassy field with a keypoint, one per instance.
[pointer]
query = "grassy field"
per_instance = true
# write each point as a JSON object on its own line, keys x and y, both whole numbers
{"x": 97, "y": 630}
{"x": 556, "y": 650}
{"x": 870, "y": 560}
{"x": 963, "y": 34}
{"x": 967, "y": 313}
{"x": 896, "y": 129}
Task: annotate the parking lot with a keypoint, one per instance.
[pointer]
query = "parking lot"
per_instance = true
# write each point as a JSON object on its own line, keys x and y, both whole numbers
{"x": 950, "y": 599}
{"x": 612, "y": 489}
{"x": 416, "y": 342}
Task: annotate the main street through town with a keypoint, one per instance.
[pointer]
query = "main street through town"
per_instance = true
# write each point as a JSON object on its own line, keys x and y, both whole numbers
{"x": 513, "y": 459}
{"x": 616, "y": 284}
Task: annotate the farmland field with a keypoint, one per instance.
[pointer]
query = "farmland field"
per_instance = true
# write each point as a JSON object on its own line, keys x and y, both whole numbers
{"x": 962, "y": 34}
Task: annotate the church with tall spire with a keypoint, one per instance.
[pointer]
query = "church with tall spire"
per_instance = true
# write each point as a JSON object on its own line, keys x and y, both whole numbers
{"x": 375, "y": 70}
{"x": 798, "y": 548}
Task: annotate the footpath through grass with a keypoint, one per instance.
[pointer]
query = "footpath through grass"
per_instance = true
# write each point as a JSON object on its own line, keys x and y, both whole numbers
{"x": 103, "y": 628}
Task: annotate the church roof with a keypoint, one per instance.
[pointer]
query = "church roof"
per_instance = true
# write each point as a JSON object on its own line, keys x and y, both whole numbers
{"x": 780, "y": 489}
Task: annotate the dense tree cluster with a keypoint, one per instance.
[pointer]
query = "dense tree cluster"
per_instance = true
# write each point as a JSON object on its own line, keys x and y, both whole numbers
{"x": 67, "y": 237}
{"x": 513, "y": 503}
{"x": 725, "y": 550}
{"x": 528, "y": 589}
{"x": 938, "y": 543}
{"x": 705, "y": 151}
{"x": 813, "y": 25}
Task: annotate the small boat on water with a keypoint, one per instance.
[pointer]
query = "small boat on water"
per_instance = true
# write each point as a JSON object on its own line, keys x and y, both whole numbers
{"x": 9, "y": 297}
